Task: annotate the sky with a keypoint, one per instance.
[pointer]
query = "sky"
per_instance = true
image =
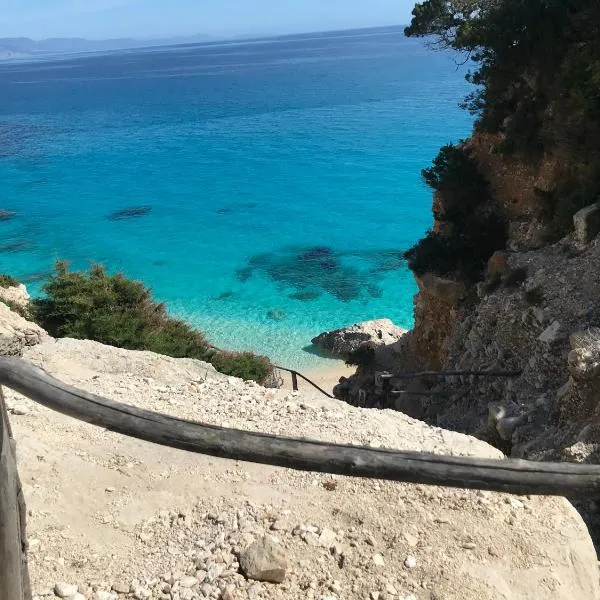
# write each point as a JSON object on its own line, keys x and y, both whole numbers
{"x": 103, "y": 19}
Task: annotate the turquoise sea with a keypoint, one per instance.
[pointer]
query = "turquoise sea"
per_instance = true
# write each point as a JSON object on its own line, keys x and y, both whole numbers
{"x": 275, "y": 182}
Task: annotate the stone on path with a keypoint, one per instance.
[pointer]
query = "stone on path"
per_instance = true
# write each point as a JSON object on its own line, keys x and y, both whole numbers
{"x": 65, "y": 590}
{"x": 264, "y": 560}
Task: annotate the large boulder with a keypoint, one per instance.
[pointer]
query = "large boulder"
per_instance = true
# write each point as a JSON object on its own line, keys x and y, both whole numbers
{"x": 579, "y": 399}
{"x": 341, "y": 342}
{"x": 17, "y": 333}
{"x": 587, "y": 223}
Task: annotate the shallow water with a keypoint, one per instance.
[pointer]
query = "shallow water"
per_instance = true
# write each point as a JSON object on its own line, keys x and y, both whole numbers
{"x": 264, "y": 190}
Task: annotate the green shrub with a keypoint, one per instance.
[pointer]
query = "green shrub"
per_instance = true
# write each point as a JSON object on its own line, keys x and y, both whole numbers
{"x": 468, "y": 236}
{"x": 17, "y": 308}
{"x": 7, "y": 281}
{"x": 245, "y": 365}
{"x": 455, "y": 174}
{"x": 464, "y": 252}
{"x": 536, "y": 68}
{"x": 120, "y": 312}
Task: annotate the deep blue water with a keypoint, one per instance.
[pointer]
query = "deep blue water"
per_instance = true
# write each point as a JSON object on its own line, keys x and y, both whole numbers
{"x": 279, "y": 178}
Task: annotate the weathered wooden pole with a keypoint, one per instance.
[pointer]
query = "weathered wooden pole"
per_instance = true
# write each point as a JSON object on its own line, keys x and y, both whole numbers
{"x": 14, "y": 574}
{"x": 511, "y": 476}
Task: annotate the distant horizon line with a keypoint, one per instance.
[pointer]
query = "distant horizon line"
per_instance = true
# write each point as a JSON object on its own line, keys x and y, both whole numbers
{"x": 209, "y": 37}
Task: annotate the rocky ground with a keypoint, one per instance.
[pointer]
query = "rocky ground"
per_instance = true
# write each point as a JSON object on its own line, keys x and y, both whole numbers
{"x": 538, "y": 313}
{"x": 113, "y": 517}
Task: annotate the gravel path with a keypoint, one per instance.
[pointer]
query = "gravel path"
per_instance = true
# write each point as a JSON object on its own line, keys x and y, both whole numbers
{"x": 113, "y": 517}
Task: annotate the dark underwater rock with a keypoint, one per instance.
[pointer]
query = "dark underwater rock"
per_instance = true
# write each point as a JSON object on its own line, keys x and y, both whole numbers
{"x": 305, "y": 295}
{"x": 7, "y": 215}
{"x": 346, "y": 275}
{"x": 276, "y": 314}
{"x": 225, "y": 295}
{"x": 374, "y": 290}
{"x": 133, "y": 212}
{"x": 17, "y": 246}
{"x": 243, "y": 274}
{"x": 316, "y": 253}
{"x": 237, "y": 207}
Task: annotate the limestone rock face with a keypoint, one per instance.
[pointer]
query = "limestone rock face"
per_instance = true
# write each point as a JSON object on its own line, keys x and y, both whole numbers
{"x": 448, "y": 291}
{"x": 437, "y": 311}
{"x": 16, "y": 333}
{"x": 379, "y": 332}
{"x": 17, "y": 294}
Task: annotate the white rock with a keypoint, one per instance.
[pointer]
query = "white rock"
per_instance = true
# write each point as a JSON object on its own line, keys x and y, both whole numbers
{"x": 17, "y": 294}
{"x": 379, "y": 332}
{"x": 100, "y": 595}
{"x": 552, "y": 334}
{"x": 264, "y": 560}
{"x": 121, "y": 587}
{"x": 214, "y": 572}
{"x": 65, "y": 590}
{"x": 378, "y": 560}
{"x": 410, "y": 562}
{"x": 19, "y": 410}
{"x": 16, "y": 333}
{"x": 188, "y": 582}
{"x": 327, "y": 538}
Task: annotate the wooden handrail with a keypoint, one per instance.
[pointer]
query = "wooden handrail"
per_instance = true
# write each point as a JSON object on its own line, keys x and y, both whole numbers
{"x": 14, "y": 575}
{"x": 514, "y": 476}
{"x": 296, "y": 374}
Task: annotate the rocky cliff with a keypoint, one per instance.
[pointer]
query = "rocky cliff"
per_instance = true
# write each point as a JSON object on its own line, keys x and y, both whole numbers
{"x": 535, "y": 310}
{"x": 509, "y": 274}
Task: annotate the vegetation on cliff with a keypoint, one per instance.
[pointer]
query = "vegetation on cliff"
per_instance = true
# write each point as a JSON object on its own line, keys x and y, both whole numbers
{"x": 117, "y": 311}
{"x": 467, "y": 233}
{"x": 7, "y": 281}
{"x": 537, "y": 72}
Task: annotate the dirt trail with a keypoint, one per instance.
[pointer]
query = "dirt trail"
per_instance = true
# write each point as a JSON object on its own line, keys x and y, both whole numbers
{"x": 110, "y": 512}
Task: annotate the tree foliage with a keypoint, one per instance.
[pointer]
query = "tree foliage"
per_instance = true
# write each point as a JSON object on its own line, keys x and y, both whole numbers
{"x": 469, "y": 233}
{"x": 114, "y": 310}
{"x": 7, "y": 281}
{"x": 536, "y": 65}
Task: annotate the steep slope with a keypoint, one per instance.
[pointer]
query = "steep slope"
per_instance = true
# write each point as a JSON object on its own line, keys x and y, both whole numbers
{"x": 107, "y": 511}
